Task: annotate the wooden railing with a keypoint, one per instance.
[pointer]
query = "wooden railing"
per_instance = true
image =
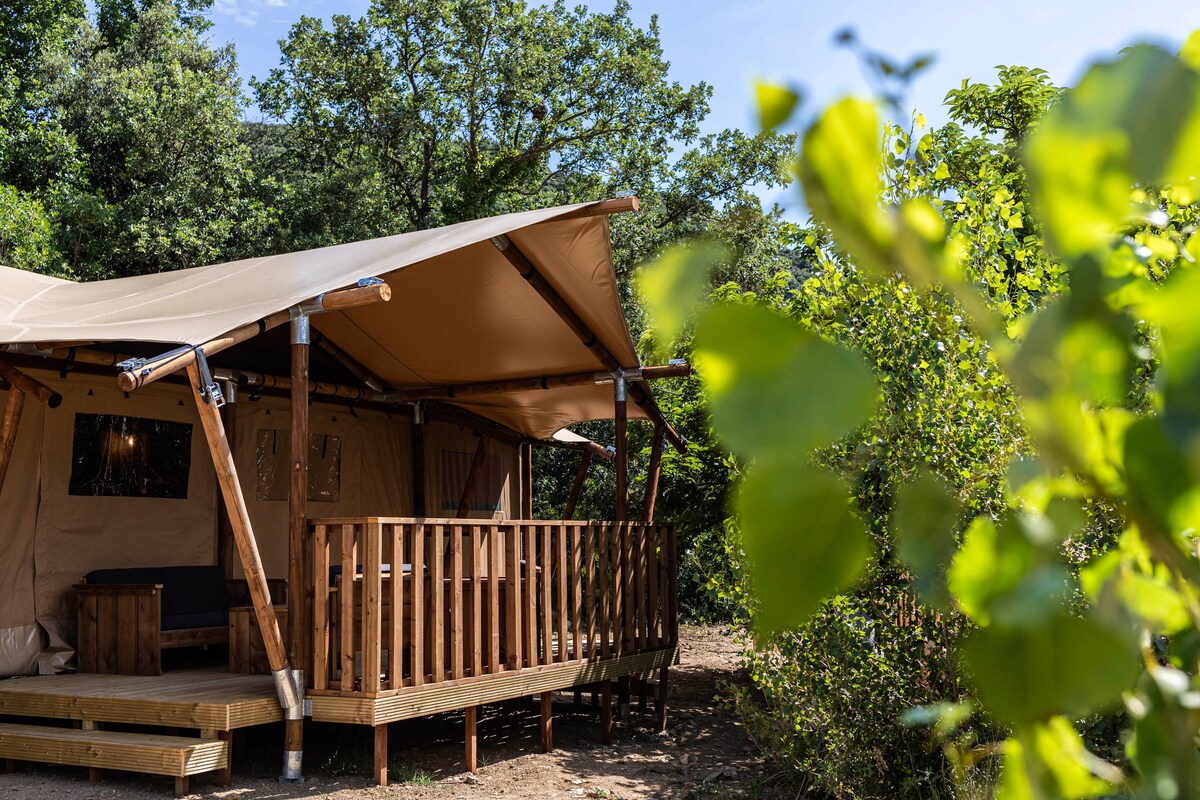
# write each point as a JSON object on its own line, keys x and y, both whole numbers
{"x": 405, "y": 602}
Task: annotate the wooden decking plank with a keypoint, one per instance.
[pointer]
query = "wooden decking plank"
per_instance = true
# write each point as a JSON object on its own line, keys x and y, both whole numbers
{"x": 132, "y": 752}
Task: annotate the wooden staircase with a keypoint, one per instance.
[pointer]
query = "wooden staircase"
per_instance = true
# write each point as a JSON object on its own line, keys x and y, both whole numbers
{"x": 179, "y": 757}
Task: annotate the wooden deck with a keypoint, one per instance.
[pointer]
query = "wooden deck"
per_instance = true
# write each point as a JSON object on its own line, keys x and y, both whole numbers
{"x": 209, "y": 699}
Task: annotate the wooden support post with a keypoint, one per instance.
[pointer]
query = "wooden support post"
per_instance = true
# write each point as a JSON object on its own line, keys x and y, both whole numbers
{"x": 654, "y": 472}
{"x": 526, "y": 480}
{"x": 8, "y": 429}
{"x": 621, "y": 463}
{"x": 239, "y": 516}
{"x": 661, "y": 706}
{"x": 418, "y": 461}
{"x": 606, "y": 715}
{"x": 224, "y": 776}
{"x": 643, "y": 693}
{"x": 470, "y": 751}
{"x": 464, "y": 504}
{"x": 183, "y": 786}
{"x": 380, "y": 772}
{"x": 623, "y": 695}
{"x": 299, "y": 585}
{"x": 10, "y": 766}
{"x": 585, "y": 461}
{"x": 547, "y": 721}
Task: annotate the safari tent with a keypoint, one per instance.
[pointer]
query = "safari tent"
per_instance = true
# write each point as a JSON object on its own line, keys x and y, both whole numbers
{"x": 339, "y": 440}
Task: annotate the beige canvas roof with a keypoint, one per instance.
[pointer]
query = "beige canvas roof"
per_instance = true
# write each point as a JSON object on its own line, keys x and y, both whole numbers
{"x": 459, "y": 311}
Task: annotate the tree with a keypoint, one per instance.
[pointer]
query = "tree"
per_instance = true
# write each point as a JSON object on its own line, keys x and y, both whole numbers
{"x": 127, "y": 136}
{"x": 1113, "y": 196}
{"x": 425, "y": 113}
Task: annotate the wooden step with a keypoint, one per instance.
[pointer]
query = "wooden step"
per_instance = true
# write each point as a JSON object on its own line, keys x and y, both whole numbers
{"x": 177, "y": 756}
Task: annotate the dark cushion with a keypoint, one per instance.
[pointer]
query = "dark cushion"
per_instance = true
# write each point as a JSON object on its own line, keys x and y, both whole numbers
{"x": 103, "y": 577}
{"x": 193, "y": 590}
{"x": 209, "y": 619}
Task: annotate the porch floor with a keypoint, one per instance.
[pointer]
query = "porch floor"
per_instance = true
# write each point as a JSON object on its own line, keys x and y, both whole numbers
{"x": 211, "y": 699}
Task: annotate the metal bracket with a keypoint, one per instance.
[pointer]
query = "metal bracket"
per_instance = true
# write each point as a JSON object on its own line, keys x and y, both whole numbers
{"x": 307, "y": 707}
{"x": 209, "y": 389}
{"x": 372, "y": 281}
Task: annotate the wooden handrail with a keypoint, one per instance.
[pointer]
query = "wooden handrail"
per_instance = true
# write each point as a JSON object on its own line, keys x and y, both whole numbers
{"x": 403, "y": 602}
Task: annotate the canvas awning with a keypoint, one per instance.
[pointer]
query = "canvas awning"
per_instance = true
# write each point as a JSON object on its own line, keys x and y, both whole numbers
{"x": 459, "y": 312}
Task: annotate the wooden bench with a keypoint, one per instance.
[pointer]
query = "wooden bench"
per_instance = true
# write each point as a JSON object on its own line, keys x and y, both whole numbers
{"x": 127, "y": 617}
{"x": 174, "y": 756}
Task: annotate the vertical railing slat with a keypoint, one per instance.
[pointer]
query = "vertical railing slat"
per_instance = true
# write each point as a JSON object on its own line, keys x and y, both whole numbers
{"x": 560, "y": 571}
{"x": 512, "y": 579}
{"x": 593, "y": 586}
{"x": 531, "y": 532}
{"x": 321, "y": 608}
{"x": 476, "y": 603}
{"x": 652, "y": 570}
{"x": 494, "y": 606}
{"x": 437, "y": 598}
{"x": 605, "y": 578}
{"x": 372, "y": 605}
{"x": 458, "y": 639}
{"x": 576, "y": 591}
{"x": 417, "y": 620}
{"x": 546, "y": 603}
{"x": 349, "y": 571}
{"x": 396, "y": 600}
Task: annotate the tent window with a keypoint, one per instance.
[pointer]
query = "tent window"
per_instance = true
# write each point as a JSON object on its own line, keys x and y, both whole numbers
{"x": 273, "y": 450}
{"x": 489, "y": 490}
{"x": 119, "y": 456}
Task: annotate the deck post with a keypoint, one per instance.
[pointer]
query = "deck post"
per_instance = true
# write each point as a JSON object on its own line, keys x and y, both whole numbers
{"x": 470, "y": 750}
{"x": 298, "y": 585}
{"x": 547, "y": 721}
{"x": 585, "y": 462}
{"x": 380, "y": 772}
{"x": 235, "y": 503}
{"x": 606, "y": 715}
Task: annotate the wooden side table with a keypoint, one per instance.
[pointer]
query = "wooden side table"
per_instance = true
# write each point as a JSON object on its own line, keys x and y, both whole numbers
{"x": 247, "y": 655}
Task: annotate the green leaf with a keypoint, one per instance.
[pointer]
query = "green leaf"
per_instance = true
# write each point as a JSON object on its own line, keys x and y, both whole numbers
{"x": 1166, "y": 715}
{"x": 777, "y": 391}
{"x": 926, "y": 520}
{"x": 1003, "y": 570}
{"x": 1136, "y": 119}
{"x": 1062, "y": 664}
{"x": 673, "y": 287}
{"x": 1051, "y": 762}
{"x": 1189, "y": 54}
{"x": 1156, "y": 473}
{"x": 802, "y": 541}
{"x": 776, "y": 103}
{"x": 840, "y": 167}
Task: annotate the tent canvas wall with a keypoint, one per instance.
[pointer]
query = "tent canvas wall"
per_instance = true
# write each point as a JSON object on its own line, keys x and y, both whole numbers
{"x": 53, "y": 534}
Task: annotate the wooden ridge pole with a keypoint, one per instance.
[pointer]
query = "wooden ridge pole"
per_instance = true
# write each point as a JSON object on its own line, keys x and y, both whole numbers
{"x": 483, "y": 388}
{"x": 617, "y": 205}
{"x": 147, "y": 371}
{"x": 581, "y": 474}
{"x": 464, "y": 505}
{"x": 538, "y": 282}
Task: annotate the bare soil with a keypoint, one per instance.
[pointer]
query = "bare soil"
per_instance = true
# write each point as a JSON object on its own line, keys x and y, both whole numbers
{"x": 705, "y": 753}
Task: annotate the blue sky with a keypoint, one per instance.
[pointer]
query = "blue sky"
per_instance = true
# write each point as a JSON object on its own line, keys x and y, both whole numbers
{"x": 727, "y": 44}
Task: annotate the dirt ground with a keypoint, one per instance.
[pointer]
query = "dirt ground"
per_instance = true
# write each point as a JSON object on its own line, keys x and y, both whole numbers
{"x": 704, "y": 754}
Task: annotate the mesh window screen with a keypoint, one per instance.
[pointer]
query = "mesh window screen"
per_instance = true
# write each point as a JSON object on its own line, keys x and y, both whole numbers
{"x": 273, "y": 451}
{"x": 118, "y": 456}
